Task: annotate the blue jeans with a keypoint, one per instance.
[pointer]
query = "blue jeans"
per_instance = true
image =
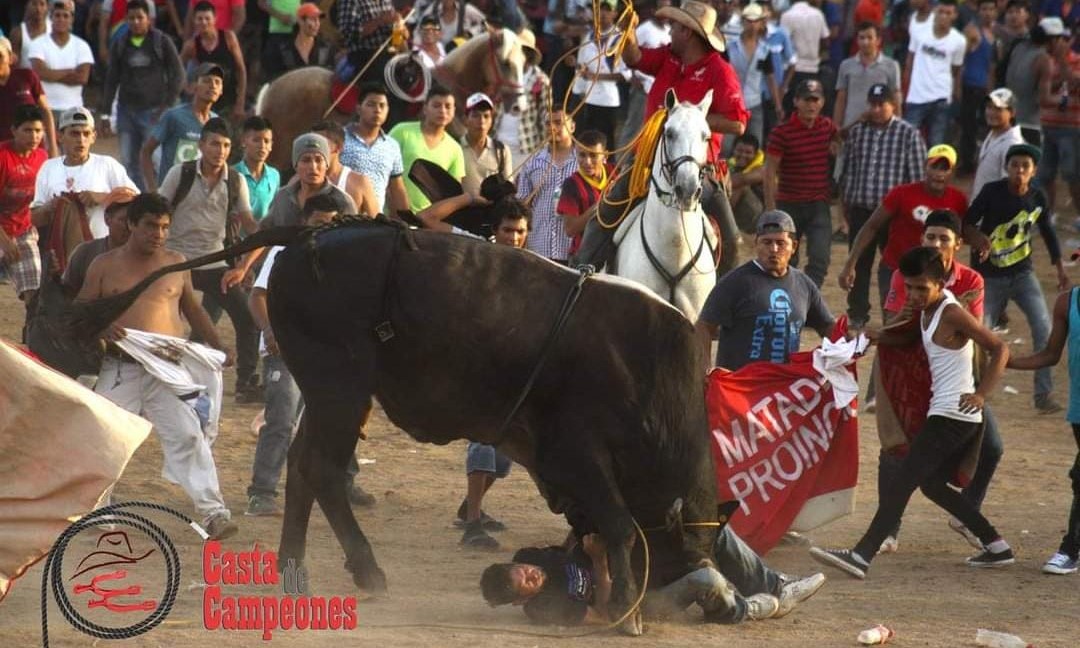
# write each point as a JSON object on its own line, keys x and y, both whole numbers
{"x": 1060, "y": 152}
{"x": 739, "y": 572}
{"x": 133, "y": 127}
{"x": 282, "y": 414}
{"x": 813, "y": 220}
{"x": 933, "y": 115}
{"x": 1024, "y": 289}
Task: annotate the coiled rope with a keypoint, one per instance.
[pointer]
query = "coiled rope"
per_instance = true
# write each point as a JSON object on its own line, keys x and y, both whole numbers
{"x": 120, "y": 515}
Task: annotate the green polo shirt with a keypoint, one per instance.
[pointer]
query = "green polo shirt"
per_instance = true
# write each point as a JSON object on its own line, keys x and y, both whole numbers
{"x": 260, "y": 192}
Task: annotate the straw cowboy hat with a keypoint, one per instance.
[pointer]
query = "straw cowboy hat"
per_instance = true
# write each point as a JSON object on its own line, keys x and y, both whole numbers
{"x": 699, "y": 18}
{"x": 528, "y": 43}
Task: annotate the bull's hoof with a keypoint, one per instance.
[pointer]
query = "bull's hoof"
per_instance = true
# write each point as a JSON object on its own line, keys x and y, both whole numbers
{"x": 372, "y": 581}
{"x": 633, "y": 626}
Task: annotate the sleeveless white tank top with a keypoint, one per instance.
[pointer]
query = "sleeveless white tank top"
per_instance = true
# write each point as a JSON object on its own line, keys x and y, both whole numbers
{"x": 950, "y": 370}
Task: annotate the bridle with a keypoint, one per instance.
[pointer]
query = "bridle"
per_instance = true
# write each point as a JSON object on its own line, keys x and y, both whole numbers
{"x": 668, "y": 168}
{"x": 500, "y": 81}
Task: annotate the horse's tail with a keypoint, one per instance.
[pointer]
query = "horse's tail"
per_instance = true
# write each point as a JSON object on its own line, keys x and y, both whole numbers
{"x": 88, "y": 319}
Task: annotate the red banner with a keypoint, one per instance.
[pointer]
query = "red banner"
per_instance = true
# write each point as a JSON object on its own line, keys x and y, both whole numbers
{"x": 782, "y": 448}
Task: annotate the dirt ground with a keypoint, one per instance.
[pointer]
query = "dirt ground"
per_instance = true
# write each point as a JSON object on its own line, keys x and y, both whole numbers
{"x": 924, "y": 592}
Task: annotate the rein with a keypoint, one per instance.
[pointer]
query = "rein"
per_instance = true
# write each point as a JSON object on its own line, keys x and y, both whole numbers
{"x": 672, "y": 280}
{"x": 545, "y": 352}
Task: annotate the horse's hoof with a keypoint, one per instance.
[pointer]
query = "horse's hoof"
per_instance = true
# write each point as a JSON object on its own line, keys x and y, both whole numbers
{"x": 633, "y": 626}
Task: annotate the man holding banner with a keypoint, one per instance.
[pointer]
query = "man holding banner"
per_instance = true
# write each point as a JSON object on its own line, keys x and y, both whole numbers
{"x": 954, "y": 420}
{"x": 759, "y": 309}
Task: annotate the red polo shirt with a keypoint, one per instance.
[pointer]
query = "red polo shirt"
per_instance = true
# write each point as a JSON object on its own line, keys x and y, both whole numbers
{"x": 23, "y": 88}
{"x": 18, "y": 175}
{"x": 961, "y": 281}
{"x": 910, "y": 204}
{"x": 803, "y": 152}
{"x": 691, "y": 82}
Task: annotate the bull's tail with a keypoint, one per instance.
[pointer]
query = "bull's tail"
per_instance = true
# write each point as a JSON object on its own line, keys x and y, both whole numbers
{"x": 90, "y": 318}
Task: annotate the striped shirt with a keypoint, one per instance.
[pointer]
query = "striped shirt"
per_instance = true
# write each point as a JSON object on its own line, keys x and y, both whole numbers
{"x": 542, "y": 176}
{"x": 878, "y": 159}
{"x": 1057, "y": 113}
{"x": 803, "y": 152}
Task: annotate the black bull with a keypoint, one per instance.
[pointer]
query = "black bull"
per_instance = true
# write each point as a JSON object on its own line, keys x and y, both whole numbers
{"x": 445, "y": 331}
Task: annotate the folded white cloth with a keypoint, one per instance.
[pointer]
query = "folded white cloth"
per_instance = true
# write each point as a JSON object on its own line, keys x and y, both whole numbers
{"x": 186, "y": 367}
{"x": 831, "y": 360}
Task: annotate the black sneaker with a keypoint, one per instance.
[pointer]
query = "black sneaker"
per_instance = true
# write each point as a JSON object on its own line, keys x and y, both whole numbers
{"x": 249, "y": 391}
{"x": 476, "y": 538}
{"x": 842, "y": 559}
{"x": 992, "y": 559}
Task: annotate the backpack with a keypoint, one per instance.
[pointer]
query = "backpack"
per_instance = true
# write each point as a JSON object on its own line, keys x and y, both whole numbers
{"x": 232, "y": 188}
{"x": 500, "y": 153}
{"x": 156, "y": 36}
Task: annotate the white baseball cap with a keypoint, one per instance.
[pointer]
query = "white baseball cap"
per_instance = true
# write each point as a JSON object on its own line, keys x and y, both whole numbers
{"x": 477, "y": 99}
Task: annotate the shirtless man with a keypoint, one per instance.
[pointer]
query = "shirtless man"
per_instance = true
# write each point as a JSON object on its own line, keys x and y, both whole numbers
{"x": 128, "y": 383}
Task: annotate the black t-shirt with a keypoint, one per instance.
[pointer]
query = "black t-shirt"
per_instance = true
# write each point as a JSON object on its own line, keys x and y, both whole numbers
{"x": 1007, "y": 220}
{"x": 761, "y": 316}
{"x": 568, "y": 586}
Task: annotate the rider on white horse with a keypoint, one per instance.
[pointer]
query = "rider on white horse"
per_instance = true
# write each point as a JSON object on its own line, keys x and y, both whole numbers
{"x": 692, "y": 66}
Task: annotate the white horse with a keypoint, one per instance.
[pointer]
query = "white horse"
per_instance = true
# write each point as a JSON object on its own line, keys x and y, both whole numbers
{"x": 666, "y": 242}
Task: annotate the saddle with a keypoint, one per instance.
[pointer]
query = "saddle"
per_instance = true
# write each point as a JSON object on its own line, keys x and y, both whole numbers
{"x": 435, "y": 183}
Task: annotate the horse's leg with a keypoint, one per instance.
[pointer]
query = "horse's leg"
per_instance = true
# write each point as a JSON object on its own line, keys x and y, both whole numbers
{"x": 336, "y": 416}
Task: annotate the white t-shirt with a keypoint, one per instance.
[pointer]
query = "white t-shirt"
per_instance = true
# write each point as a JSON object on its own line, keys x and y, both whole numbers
{"x": 592, "y": 56}
{"x": 807, "y": 27}
{"x": 100, "y": 173}
{"x": 651, "y": 35}
{"x": 932, "y": 64}
{"x": 76, "y": 52}
{"x": 263, "y": 281}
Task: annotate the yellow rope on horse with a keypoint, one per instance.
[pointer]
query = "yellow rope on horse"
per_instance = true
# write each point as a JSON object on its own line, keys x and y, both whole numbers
{"x": 646, "y": 142}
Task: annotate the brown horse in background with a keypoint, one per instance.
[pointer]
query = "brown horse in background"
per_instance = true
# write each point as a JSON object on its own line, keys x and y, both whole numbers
{"x": 490, "y": 63}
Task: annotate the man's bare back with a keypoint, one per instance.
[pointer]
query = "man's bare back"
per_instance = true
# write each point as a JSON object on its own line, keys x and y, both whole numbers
{"x": 158, "y": 309}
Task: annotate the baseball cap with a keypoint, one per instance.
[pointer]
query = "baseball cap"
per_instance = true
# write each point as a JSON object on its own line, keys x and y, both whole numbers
{"x": 1053, "y": 26}
{"x": 76, "y": 117}
{"x": 1034, "y": 152}
{"x": 753, "y": 12}
{"x": 1002, "y": 98}
{"x": 308, "y": 10}
{"x": 810, "y": 88}
{"x": 942, "y": 152}
{"x": 478, "y": 99}
{"x": 207, "y": 69}
{"x": 310, "y": 143}
{"x": 774, "y": 221}
{"x": 879, "y": 93}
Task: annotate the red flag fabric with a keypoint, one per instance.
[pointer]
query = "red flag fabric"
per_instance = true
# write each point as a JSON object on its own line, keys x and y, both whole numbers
{"x": 782, "y": 448}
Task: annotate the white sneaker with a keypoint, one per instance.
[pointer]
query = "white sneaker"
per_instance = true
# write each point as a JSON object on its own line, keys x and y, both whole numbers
{"x": 795, "y": 592}
{"x": 1060, "y": 564}
{"x": 972, "y": 539}
{"x": 761, "y": 606}
{"x": 891, "y": 544}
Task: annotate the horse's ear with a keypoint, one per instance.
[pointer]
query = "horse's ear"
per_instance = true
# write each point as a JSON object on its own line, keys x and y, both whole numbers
{"x": 705, "y": 102}
{"x": 670, "y": 100}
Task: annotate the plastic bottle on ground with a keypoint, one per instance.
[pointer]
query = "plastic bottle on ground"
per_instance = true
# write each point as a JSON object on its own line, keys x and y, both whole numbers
{"x": 992, "y": 639}
{"x": 879, "y": 634}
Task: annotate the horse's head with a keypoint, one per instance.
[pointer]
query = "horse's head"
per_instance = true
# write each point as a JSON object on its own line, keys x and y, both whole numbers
{"x": 684, "y": 145}
{"x": 505, "y": 71}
